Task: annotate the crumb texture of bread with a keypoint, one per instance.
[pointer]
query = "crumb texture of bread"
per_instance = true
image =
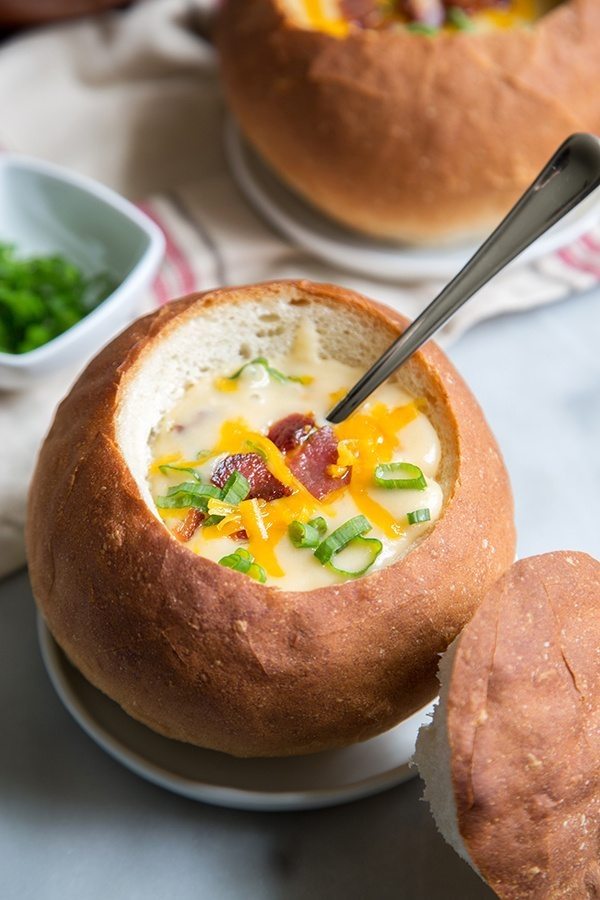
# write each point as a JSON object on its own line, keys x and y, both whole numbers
{"x": 432, "y": 757}
{"x": 406, "y": 137}
{"x": 522, "y": 731}
{"x": 202, "y": 653}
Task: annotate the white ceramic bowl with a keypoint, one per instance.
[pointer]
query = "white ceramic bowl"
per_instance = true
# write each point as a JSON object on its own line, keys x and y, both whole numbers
{"x": 47, "y": 209}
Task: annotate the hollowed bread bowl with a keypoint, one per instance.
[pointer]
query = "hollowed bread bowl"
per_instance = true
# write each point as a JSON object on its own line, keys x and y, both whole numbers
{"x": 512, "y": 759}
{"x": 405, "y": 136}
{"x": 35, "y": 12}
{"x": 202, "y": 653}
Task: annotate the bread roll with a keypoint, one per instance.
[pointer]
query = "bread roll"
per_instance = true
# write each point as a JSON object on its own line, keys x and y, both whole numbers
{"x": 511, "y": 760}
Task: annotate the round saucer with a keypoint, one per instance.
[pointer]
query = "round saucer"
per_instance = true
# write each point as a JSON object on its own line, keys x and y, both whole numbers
{"x": 307, "y": 782}
{"x": 306, "y": 227}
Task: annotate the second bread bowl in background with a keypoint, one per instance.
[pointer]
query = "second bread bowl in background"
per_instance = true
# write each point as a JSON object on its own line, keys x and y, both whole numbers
{"x": 408, "y": 136}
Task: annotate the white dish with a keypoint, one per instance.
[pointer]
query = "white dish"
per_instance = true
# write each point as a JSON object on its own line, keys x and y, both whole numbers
{"x": 309, "y": 782}
{"x": 306, "y": 227}
{"x": 47, "y": 209}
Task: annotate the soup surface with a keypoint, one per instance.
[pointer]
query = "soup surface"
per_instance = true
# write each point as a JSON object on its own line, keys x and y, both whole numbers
{"x": 246, "y": 471}
{"x": 339, "y": 17}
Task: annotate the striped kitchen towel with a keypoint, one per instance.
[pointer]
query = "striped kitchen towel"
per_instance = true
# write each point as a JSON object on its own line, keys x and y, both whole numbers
{"x": 132, "y": 98}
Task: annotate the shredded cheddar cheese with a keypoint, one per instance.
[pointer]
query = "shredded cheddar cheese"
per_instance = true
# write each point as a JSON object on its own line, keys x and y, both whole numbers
{"x": 326, "y": 15}
{"x": 226, "y": 385}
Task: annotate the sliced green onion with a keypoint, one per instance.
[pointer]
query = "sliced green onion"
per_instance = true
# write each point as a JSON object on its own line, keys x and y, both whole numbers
{"x": 256, "y": 448}
{"x": 400, "y": 475}
{"x": 421, "y": 28}
{"x": 419, "y": 515}
{"x": 243, "y": 561}
{"x": 167, "y": 467}
{"x": 212, "y": 520}
{"x": 319, "y": 523}
{"x": 302, "y": 535}
{"x": 275, "y": 374}
{"x": 235, "y": 489}
{"x": 460, "y": 19}
{"x": 373, "y": 548}
{"x": 257, "y": 572}
{"x": 188, "y": 494}
{"x": 341, "y": 537}
{"x": 237, "y": 562}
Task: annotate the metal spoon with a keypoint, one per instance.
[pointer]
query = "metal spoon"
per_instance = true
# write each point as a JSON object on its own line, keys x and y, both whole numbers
{"x": 572, "y": 174}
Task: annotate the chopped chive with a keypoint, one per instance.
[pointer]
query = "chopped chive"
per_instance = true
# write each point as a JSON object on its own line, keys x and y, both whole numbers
{"x": 373, "y": 546}
{"x": 302, "y": 535}
{"x": 419, "y": 515}
{"x": 400, "y": 475}
{"x": 341, "y": 537}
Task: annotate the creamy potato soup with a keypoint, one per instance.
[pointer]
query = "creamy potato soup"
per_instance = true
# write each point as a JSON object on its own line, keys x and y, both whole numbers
{"x": 339, "y": 17}
{"x": 246, "y": 471}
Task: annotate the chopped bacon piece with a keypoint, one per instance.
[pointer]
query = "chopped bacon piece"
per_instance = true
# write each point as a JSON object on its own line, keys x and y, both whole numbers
{"x": 471, "y": 6}
{"x": 185, "y": 532}
{"x": 290, "y": 432}
{"x": 241, "y": 535}
{"x": 425, "y": 12}
{"x": 309, "y": 464}
{"x": 366, "y": 13}
{"x": 263, "y": 484}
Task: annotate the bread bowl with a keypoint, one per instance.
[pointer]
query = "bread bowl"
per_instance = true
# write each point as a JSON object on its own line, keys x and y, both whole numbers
{"x": 35, "y": 12}
{"x": 205, "y": 654}
{"x": 512, "y": 758}
{"x": 407, "y": 136}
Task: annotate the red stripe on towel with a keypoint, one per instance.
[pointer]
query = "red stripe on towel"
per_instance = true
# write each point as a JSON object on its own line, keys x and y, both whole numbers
{"x": 175, "y": 255}
{"x": 571, "y": 259}
{"x": 591, "y": 243}
{"x": 159, "y": 287}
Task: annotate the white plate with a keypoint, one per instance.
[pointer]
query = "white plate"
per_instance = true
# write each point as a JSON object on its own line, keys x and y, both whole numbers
{"x": 324, "y": 238}
{"x": 302, "y": 782}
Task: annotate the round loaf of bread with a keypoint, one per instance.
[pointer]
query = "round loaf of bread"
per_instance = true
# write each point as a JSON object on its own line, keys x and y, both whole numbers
{"x": 512, "y": 758}
{"x": 15, "y": 13}
{"x": 200, "y": 652}
{"x": 406, "y": 136}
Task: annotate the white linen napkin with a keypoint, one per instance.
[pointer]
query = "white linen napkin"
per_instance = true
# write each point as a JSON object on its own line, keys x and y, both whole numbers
{"x": 132, "y": 98}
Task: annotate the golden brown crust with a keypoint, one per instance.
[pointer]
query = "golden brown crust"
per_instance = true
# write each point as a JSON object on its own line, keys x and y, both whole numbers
{"x": 524, "y": 730}
{"x": 205, "y": 654}
{"x": 35, "y": 12}
{"x": 403, "y": 136}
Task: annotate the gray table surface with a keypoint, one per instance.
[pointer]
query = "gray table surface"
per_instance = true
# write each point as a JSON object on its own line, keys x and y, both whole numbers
{"x": 75, "y": 825}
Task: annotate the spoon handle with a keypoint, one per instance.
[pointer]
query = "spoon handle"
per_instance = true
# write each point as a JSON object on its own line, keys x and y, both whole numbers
{"x": 572, "y": 174}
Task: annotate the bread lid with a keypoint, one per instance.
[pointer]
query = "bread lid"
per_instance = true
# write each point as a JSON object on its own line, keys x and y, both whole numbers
{"x": 518, "y": 732}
